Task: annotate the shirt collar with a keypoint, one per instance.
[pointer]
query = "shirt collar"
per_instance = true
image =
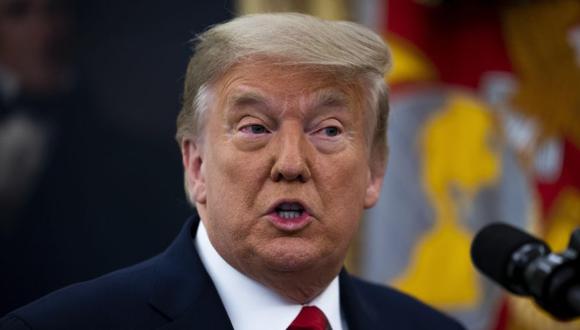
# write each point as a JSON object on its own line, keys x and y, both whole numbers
{"x": 247, "y": 300}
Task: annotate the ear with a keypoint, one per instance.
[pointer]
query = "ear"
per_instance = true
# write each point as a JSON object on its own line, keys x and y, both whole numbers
{"x": 193, "y": 166}
{"x": 374, "y": 185}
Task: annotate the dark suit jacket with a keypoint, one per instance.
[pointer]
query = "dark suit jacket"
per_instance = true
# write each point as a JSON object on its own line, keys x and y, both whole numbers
{"x": 174, "y": 291}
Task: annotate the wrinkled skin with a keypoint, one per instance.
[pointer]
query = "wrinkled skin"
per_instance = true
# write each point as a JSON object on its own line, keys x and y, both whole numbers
{"x": 279, "y": 133}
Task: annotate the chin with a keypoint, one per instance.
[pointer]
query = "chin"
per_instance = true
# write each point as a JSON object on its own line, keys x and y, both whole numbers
{"x": 294, "y": 256}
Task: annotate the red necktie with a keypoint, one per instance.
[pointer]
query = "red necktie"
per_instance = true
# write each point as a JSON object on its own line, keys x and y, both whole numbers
{"x": 310, "y": 318}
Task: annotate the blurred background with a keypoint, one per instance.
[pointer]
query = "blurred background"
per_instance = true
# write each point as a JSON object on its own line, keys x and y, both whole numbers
{"x": 484, "y": 127}
{"x": 90, "y": 175}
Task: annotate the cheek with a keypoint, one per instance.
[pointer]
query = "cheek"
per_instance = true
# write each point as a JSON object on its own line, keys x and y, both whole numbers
{"x": 342, "y": 186}
{"x": 343, "y": 180}
{"x": 234, "y": 180}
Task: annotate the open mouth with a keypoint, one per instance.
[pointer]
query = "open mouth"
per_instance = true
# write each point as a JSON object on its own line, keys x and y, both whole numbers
{"x": 290, "y": 216}
{"x": 290, "y": 211}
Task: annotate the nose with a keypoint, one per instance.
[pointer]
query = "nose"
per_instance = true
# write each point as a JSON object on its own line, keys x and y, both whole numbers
{"x": 290, "y": 156}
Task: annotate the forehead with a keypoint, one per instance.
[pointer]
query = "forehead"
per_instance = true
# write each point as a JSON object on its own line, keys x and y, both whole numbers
{"x": 278, "y": 82}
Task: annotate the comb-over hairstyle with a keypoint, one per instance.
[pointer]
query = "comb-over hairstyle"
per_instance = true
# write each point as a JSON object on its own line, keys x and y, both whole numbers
{"x": 337, "y": 47}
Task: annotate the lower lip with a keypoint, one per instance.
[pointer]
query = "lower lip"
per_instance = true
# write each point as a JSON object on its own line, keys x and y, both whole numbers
{"x": 289, "y": 225}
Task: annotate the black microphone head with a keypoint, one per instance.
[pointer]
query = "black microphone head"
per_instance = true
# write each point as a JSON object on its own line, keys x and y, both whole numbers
{"x": 493, "y": 249}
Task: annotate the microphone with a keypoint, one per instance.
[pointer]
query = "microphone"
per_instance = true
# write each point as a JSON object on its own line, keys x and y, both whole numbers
{"x": 524, "y": 265}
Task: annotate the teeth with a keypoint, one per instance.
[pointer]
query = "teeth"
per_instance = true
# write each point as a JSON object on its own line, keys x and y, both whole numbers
{"x": 289, "y": 214}
{"x": 290, "y": 207}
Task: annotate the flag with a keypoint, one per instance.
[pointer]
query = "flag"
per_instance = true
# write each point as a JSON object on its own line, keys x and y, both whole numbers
{"x": 484, "y": 127}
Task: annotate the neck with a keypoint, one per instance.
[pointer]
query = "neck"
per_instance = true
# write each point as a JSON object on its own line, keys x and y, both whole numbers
{"x": 299, "y": 287}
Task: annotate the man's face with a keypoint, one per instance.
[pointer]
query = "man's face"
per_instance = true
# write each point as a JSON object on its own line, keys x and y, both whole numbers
{"x": 282, "y": 175}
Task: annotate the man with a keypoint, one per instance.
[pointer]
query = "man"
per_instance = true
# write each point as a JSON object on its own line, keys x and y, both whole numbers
{"x": 282, "y": 134}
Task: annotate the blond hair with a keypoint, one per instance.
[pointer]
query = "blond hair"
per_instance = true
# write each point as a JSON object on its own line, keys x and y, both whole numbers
{"x": 337, "y": 47}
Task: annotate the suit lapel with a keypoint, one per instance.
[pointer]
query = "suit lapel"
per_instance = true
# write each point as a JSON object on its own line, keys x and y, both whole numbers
{"x": 205, "y": 313}
{"x": 359, "y": 313}
{"x": 184, "y": 292}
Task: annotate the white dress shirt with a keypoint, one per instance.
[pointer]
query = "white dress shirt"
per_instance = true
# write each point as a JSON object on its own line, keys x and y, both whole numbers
{"x": 251, "y": 305}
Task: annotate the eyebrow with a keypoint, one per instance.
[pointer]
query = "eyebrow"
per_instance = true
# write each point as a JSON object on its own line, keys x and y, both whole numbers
{"x": 319, "y": 102}
{"x": 329, "y": 98}
{"x": 247, "y": 98}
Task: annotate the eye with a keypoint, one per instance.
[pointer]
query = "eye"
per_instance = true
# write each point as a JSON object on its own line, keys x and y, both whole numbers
{"x": 331, "y": 131}
{"x": 254, "y": 129}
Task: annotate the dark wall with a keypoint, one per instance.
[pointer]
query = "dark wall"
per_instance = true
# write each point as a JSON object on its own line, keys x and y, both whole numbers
{"x": 139, "y": 49}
